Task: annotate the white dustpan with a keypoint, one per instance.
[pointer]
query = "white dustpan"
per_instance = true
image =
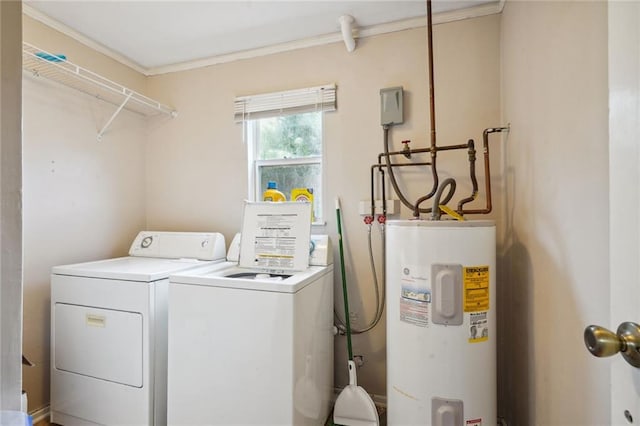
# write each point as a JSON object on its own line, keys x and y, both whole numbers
{"x": 354, "y": 406}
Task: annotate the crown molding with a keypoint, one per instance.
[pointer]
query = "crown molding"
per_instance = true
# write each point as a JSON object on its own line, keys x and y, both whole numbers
{"x": 75, "y": 35}
{"x": 374, "y": 30}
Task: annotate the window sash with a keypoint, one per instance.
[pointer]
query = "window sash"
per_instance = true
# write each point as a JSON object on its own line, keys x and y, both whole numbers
{"x": 260, "y": 182}
{"x": 316, "y": 159}
{"x": 257, "y": 190}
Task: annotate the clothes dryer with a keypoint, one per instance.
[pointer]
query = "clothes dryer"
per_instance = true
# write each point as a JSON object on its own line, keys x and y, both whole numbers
{"x": 253, "y": 346}
{"x": 109, "y": 330}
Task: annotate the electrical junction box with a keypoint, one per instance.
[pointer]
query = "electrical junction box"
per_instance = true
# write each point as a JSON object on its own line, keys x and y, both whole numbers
{"x": 364, "y": 208}
{"x": 391, "y": 111}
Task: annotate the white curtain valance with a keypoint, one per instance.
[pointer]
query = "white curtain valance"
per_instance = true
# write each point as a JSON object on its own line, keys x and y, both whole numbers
{"x": 321, "y": 98}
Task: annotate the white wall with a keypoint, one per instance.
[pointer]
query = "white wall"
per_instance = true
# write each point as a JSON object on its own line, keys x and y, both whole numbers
{"x": 197, "y": 167}
{"x": 83, "y": 199}
{"x": 554, "y": 277}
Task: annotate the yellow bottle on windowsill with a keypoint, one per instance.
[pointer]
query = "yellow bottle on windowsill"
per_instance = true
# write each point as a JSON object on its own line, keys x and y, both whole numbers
{"x": 304, "y": 195}
{"x": 272, "y": 193}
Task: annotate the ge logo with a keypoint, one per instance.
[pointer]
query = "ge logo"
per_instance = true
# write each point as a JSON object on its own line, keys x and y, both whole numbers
{"x": 406, "y": 271}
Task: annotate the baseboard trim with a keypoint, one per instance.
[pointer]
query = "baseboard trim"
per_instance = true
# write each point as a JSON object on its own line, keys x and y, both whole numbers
{"x": 40, "y": 414}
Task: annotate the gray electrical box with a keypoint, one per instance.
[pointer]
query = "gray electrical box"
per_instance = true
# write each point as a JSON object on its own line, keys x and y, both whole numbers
{"x": 391, "y": 111}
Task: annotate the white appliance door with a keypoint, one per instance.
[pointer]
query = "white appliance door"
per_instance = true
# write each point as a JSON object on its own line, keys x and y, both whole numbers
{"x": 100, "y": 343}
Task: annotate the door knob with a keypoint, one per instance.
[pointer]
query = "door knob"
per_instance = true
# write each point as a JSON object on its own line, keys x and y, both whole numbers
{"x": 602, "y": 342}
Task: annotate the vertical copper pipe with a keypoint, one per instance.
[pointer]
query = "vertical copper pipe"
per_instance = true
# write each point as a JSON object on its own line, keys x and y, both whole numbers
{"x": 432, "y": 102}
{"x": 432, "y": 112}
{"x": 472, "y": 175}
{"x": 487, "y": 170}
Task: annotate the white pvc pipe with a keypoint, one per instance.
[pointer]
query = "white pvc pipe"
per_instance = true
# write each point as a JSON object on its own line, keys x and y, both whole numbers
{"x": 346, "y": 24}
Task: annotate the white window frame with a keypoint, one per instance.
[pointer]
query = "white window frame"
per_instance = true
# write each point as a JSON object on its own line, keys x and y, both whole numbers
{"x": 248, "y": 109}
{"x": 255, "y": 191}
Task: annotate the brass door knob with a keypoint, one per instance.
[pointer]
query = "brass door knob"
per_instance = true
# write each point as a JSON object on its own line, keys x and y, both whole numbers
{"x": 602, "y": 342}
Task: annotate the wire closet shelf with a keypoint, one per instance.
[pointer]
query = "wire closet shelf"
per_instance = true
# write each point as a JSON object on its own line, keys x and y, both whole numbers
{"x": 57, "y": 68}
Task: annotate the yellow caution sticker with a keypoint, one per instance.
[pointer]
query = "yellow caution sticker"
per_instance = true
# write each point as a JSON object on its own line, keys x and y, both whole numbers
{"x": 476, "y": 288}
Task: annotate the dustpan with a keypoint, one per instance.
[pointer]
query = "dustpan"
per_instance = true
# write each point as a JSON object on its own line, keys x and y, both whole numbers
{"x": 354, "y": 406}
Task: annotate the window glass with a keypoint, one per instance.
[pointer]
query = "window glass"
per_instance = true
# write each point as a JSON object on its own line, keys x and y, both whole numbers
{"x": 290, "y": 136}
{"x": 287, "y": 150}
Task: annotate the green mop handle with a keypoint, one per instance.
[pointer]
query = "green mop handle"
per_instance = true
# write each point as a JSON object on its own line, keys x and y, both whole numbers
{"x": 344, "y": 282}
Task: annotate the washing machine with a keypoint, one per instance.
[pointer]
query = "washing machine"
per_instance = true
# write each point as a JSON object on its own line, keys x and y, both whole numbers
{"x": 109, "y": 330}
{"x": 251, "y": 342}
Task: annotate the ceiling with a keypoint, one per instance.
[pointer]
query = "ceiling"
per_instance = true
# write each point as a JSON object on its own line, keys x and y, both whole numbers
{"x": 156, "y": 34}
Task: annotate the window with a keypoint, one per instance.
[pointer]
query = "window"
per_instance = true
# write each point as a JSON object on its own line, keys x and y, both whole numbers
{"x": 287, "y": 150}
{"x": 285, "y": 139}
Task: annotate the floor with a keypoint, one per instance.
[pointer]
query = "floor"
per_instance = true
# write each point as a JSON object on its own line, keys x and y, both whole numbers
{"x": 383, "y": 420}
{"x": 381, "y": 412}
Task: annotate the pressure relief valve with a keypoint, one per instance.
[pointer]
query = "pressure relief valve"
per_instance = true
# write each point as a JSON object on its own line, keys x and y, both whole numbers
{"x": 406, "y": 151}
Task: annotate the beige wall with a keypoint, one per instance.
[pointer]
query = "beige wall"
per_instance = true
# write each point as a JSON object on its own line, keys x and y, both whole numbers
{"x": 196, "y": 163}
{"x": 544, "y": 63}
{"x": 555, "y": 265}
{"x": 83, "y": 199}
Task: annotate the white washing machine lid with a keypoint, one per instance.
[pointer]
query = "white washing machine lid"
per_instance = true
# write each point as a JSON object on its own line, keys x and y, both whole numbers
{"x": 275, "y": 236}
{"x": 130, "y": 268}
{"x": 251, "y": 279}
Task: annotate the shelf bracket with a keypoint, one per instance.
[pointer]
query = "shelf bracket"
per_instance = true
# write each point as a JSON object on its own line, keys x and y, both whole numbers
{"x": 115, "y": 114}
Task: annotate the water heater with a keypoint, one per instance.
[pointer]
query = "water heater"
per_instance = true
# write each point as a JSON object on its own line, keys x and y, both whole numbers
{"x": 441, "y": 323}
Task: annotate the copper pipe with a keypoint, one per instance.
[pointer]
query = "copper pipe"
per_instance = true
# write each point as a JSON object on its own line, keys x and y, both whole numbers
{"x": 472, "y": 172}
{"x": 432, "y": 111}
{"x": 422, "y": 151}
{"x": 383, "y": 166}
{"x": 432, "y": 102}
{"x": 487, "y": 171}
{"x": 472, "y": 175}
{"x": 433, "y": 149}
{"x": 450, "y": 147}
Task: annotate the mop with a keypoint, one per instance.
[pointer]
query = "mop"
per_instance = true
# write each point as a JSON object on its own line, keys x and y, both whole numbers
{"x": 354, "y": 406}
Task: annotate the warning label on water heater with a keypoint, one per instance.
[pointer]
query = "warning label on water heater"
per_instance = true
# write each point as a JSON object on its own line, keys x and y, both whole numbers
{"x": 474, "y": 422}
{"x": 478, "y": 327}
{"x": 414, "y": 312}
{"x": 476, "y": 288}
{"x": 415, "y": 295}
